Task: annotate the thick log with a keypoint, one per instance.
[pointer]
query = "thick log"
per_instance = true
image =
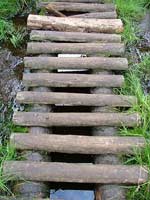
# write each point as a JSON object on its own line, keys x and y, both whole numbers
{"x": 78, "y": 7}
{"x": 79, "y": 173}
{"x": 114, "y": 49}
{"x": 75, "y": 99}
{"x": 75, "y": 119}
{"x": 52, "y": 63}
{"x": 72, "y": 80}
{"x": 77, "y": 144}
{"x": 57, "y": 36}
{"x": 75, "y": 24}
{"x": 97, "y": 15}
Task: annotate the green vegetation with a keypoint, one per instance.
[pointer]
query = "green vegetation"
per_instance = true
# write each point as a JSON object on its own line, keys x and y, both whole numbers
{"x": 131, "y": 12}
{"x": 9, "y": 9}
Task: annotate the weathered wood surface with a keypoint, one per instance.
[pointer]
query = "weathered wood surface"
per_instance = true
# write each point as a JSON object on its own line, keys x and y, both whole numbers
{"x": 97, "y": 15}
{"x": 52, "y": 63}
{"x": 114, "y": 49}
{"x": 58, "y": 36}
{"x": 75, "y": 24}
{"x": 77, "y": 144}
{"x": 75, "y": 99}
{"x": 78, "y": 7}
{"x": 72, "y": 80}
{"x": 75, "y": 119}
{"x": 79, "y": 173}
{"x": 54, "y": 11}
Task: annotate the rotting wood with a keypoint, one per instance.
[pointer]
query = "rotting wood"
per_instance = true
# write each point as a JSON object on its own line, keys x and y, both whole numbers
{"x": 72, "y": 80}
{"x": 57, "y": 36}
{"x": 75, "y": 24}
{"x": 75, "y": 119}
{"x": 97, "y": 15}
{"x": 78, "y": 7}
{"x": 113, "y": 49}
{"x": 73, "y": 144}
{"x": 79, "y": 173}
{"x": 52, "y": 63}
{"x": 75, "y": 99}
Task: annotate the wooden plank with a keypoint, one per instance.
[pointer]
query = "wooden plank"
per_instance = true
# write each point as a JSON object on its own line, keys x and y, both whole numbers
{"x": 58, "y": 36}
{"x": 79, "y": 173}
{"x": 75, "y": 99}
{"x": 77, "y": 144}
{"x": 52, "y": 63}
{"x": 97, "y": 15}
{"x": 75, "y": 119}
{"x": 75, "y": 24}
{"x": 78, "y": 7}
{"x": 113, "y": 49}
{"x": 72, "y": 80}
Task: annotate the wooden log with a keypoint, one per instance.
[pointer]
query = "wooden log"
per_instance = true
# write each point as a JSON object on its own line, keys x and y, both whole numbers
{"x": 57, "y": 36}
{"x": 77, "y": 144}
{"x": 78, "y": 173}
{"x": 78, "y": 7}
{"x": 75, "y": 99}
{"x": 113, "y": 49}
{"x": 72, "y": 80}
{"x": 97, "y": 15}
{"x": 75, "y": 24}
{"x": 52, "y": 63}
{"x": 74, "y": 1}
{"x": 75, "y": 119}
{"x": 54, "y": 11}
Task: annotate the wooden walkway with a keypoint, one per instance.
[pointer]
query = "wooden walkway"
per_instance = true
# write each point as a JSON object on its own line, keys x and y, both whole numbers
{"x": 81, "y": 51}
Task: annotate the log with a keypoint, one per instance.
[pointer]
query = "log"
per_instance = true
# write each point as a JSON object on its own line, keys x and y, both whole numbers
{"x": 73, "y": 144}
{"x": 113, "y": 49}
{"x": 76, "y": 119}
{"x": 75, "y": 1}
{"x": 54, "y": 11}
{"x": 72, "y": 80}
{"x": 75, "y": 99}
{"x": 78, "y": 173}
{"x": 97, "y": 15}
{"x": 75, "y": 24}
{"x": 52, "y": 63}
{"x": 57, "y": 36}
{"x": 78, "y": 7}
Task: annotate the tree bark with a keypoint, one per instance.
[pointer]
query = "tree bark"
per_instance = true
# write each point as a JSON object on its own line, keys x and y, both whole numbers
{"x": 72, "y": 80}
{"x": 52, "y": 63}
{"x": 79, "y": 173}
{"x": 97, "y": 15}
{"x": 75, "y": 24}
{"x": 75, "y": 119}
{"x": 57, "y": 36}
{"x": 73, "y": 144}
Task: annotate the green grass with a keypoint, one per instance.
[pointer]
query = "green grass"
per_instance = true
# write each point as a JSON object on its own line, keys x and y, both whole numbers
{"x": 9, "y": 9}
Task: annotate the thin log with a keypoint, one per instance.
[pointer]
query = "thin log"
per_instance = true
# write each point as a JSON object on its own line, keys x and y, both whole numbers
{"x": 79, "y": 173}
{"x": 75, "y": 99}
{"x": 75, "y": 1}
{"x": 75, "y": 119}
{"x": 75, "y": 24}
{"x": 97, "y": 15}
{"x": 113, "y": 49}
{"x": 77, "y": 144}
{"x": 78, "y": 7}
{"x": 57, "y": 36}
{"x": 54, "y": 11}
{"x": 52, "y": 63}
{"x": 72, "y": 80}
